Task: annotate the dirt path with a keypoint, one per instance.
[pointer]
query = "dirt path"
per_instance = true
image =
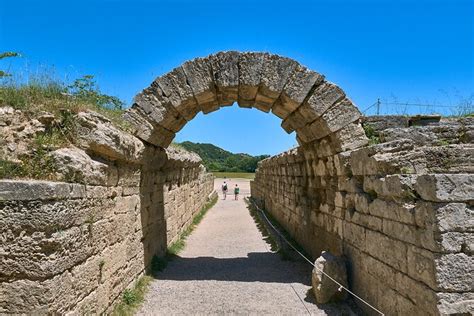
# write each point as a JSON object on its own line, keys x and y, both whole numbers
{"x": 227, "y": 268}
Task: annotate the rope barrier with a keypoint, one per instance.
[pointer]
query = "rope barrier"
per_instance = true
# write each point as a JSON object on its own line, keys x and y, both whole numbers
{"x": 310, "y": 262}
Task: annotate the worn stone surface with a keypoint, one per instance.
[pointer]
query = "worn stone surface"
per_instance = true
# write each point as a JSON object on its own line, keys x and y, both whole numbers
{"x": 200, "y": 77}
{"x": 96, "y": 134}
{"x": 325, "y": 289}
{"x": 250, "y": 69}
{"x": 225, "y": 71}
{"x": 179, "y": 93}
{"x": 18, "y": 131}
{"x": 146, "y": 129}
{"x": 74, "y": 164}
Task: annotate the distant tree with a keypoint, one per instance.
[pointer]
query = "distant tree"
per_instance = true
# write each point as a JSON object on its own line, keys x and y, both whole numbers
{"x": 86, "y": 88}
{"x": 7, "y": 55}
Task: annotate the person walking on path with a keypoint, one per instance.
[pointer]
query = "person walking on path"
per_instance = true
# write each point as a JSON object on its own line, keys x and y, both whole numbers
{"x": 224, "y": 190}
{"x": 236, "y": 191}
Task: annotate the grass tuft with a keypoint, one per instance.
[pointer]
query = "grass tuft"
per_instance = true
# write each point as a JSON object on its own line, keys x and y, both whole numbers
{"x": 132, "y": 298}
{"x": 371, "y": 134}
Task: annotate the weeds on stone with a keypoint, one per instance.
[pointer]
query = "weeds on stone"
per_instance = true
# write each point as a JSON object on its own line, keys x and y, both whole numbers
{"x": 406, "y": 170}
{"x": 372, "y": 195}
{"x": 443, "y": 142}
{"x": 43, "y": 92}
{"x": 132, "y": 298}
{"x": 371, "y": 134}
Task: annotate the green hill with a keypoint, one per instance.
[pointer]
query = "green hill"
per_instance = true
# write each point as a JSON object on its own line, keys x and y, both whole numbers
{"x": 218, "y": 159}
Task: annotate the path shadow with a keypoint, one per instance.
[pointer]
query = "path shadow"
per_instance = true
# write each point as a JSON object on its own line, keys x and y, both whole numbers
{"x": 256, "y": 267}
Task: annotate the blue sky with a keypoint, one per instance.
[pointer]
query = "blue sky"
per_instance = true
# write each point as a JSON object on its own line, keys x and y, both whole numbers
{"x": 410, "y": 51}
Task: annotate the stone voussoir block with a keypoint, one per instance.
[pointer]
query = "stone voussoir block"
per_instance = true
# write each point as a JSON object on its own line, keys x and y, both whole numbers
{"x": 179, "y": 93}
{"x": 147, "y": 130}
{"x": 296, "y": 90}
{"x": 273, "y": 77}
{"x": 199, "y": 75}
{"x": 225, "y": 69}
{"x": 250, "y": 68}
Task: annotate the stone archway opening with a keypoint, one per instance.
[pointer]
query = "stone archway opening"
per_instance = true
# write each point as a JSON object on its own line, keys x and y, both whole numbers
{"x": 378, "y": 206}
{"x": 399, "y": 214}
{"x": 325, "y": 121}
{"x": 305, "y": 102}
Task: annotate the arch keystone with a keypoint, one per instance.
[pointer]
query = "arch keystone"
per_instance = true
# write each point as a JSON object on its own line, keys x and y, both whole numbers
{"x": 225, "y": 69}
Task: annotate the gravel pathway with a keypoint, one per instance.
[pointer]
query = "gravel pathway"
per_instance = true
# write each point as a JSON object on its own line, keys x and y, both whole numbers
{"x": 227, "y": 268}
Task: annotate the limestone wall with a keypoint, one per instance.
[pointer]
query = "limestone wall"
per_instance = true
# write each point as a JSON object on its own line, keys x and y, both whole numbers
{"x": 400, "y": 213}
{"x": 72, "y": 248}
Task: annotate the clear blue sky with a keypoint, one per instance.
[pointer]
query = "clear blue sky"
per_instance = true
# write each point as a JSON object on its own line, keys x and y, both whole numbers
{"x": 411, "y": 51}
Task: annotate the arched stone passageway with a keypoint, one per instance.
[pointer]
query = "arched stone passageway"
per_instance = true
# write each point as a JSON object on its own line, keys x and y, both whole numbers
{"x": 305, "y": 102}
{"x": 399, "y": 211}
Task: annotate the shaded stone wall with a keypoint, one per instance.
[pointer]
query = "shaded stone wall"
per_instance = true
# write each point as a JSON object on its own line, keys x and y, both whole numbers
{"x": 400, "y": 213}
{"x": 73, "y": 248}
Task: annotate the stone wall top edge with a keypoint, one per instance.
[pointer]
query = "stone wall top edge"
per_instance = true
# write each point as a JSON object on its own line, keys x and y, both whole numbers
{"x": 29, "y": 190}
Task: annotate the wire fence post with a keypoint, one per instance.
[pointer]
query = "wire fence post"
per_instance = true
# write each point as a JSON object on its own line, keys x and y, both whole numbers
{"x": 378, "y": 106}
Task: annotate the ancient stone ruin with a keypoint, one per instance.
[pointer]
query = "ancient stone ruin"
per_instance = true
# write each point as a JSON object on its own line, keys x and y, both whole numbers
{"x": 399, "y": 210}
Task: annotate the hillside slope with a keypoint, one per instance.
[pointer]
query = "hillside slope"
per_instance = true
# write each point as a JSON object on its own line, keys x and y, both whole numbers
{"x": 218, "y": 159}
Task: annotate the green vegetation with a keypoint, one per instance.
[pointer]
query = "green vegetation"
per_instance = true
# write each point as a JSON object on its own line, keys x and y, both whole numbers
{"x": 220, "y": 160}
{"x": 39, "y": 164}
{"x": 235, "y": 175}
{"x": 132, "y": 298}
{"x": 43, "y": 92}
{"x": 371, "y": 134}
{"x": 7, "y": 55}
{"x": 160, "y": 263}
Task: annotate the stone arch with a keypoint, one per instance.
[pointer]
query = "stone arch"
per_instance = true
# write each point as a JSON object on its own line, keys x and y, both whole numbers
{"x": 306, "y": 103}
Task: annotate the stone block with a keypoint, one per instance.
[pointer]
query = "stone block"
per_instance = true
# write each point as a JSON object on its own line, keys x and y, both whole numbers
{"x": 321, "y": 99}
{"x": 400, "y": 212}
{"x": 456, "y": 303}
{"x": 336, "y": 117}
{"x": 30, "y": 190}
{"x": 350, "y": 137}
{"x": 250, "y": 69}
{"x": 199, "y": 75}
{"x": 445, "y": 187}
{"x": 74, "y": 164}
{"x": 388, "y": 250}
{"x": 153, "y": 103}
{"x": 225, "y": 70}
{"x": 325, "y": 289}
{"x": 179, "y": 93}
{"x": 146, "y": 129}
{"x": 97, "y": 134}
{"x": 455, "y": 272}
{"x": 355, "y": 235}
{"x": 296, "y": 90}
{"x": 274, "y": 74}
{"x": 417, "y": 292}
{"x": 421, "y": 266}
